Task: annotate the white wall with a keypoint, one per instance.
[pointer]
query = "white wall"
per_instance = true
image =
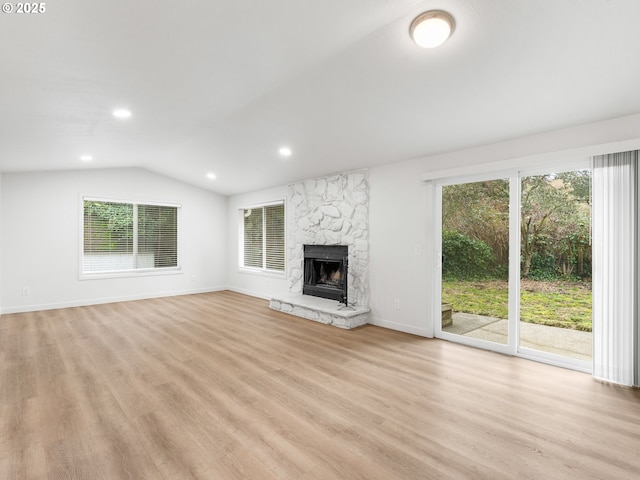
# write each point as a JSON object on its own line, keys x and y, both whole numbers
{"x": 40, "y": 238}
{"x": 0, "y": 243}
{"x": 400, "y": 218}
{"x": 256, "y": 284}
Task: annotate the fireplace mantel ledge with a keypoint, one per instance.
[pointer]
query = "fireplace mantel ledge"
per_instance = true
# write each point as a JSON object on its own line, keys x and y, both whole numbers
{"x": 321, "y": 310}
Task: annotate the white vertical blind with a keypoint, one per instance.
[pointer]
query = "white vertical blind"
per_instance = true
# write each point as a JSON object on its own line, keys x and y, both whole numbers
{"x": 615, "y": 267}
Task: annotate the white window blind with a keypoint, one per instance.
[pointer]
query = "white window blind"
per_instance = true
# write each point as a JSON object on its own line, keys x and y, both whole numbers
{"x": 253, "y": 225}
{"x": 274, "y": 237}
{"x": 120, "y": 237}
{"x": 263, "y": 236}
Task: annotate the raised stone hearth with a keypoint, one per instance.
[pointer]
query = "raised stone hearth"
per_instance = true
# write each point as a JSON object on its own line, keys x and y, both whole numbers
{"x": 321, "y": 310}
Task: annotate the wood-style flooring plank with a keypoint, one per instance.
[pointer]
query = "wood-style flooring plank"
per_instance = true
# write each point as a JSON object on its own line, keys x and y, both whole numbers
{"x": 218, "y": 386}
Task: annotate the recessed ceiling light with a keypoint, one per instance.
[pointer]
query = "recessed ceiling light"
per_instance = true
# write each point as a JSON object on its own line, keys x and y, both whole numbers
{"x": 431, "y": 29}
{"x": 86, "y": 158}
{"x": 121, "y": 113}
{"x": 211, "y": 176}
{"x": 285, "y": 151}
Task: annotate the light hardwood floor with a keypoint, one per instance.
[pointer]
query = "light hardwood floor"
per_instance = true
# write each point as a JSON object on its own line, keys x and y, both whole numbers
{"x": 217, "y": 386}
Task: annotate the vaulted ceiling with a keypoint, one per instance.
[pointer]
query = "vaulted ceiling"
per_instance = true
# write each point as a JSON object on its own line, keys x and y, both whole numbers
{"x": 220, "y": 85}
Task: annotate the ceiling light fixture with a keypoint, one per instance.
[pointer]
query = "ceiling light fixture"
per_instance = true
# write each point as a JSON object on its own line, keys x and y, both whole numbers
{"x": 121, "y": 113}
{"x": 285, "y": 151}
{"x": 86, "y": 158}
{"x": 431, "y": 29}
{"x": 211, "y": 176}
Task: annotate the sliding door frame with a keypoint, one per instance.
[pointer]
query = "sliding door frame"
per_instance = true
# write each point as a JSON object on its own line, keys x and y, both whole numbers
{"x": 512, "y": 347}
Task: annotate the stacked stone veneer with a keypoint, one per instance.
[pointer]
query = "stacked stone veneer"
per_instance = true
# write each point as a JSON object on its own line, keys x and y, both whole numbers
{"x": 331, "y": 211}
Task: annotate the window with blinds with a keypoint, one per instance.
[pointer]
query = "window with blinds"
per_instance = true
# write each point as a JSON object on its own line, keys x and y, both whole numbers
{"x": 263, "y": 237}
{"x": 122, "y": 237}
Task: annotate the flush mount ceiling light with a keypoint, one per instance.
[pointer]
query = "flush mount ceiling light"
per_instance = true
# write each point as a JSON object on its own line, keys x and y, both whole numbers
{"x": 211, "y": 176}
{"x": 86, "y": 158}
{"x": 431, "y": 29}
{"x": 121, "y": 113}
{"x": 285, "y": 152}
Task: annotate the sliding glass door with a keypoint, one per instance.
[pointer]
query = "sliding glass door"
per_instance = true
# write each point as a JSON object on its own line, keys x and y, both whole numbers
{"x": 555, "y": 273}
{"x": 515, "y": 272}
{"x": 475, "y": 260}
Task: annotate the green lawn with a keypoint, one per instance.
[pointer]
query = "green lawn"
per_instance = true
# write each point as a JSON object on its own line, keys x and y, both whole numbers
{"x": 559, "y": 304}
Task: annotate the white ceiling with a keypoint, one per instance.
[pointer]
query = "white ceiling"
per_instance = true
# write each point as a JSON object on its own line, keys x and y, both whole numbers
{"x": 219, "y": 85}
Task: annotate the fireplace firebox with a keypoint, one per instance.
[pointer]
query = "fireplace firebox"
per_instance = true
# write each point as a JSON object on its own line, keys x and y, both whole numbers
{"x": 325, "y": 271}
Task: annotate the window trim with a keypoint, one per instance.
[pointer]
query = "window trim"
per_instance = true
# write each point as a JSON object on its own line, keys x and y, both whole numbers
{"x": 261, "y": 271}
{"x": 140, "y": 272}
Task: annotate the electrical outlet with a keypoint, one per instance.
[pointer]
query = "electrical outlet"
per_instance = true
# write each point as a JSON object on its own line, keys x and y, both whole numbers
{"x": 396, "y": 304}
{"x": 26, "y": 291}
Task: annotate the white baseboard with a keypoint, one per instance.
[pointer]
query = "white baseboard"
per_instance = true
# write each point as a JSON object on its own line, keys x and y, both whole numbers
{"x": 250, "y": 293}
{"x": 378, "y": 322}
{"x": 100, "y": 301}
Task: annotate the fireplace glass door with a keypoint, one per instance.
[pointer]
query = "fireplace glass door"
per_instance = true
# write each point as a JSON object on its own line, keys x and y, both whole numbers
{"x": 325, "y": 271}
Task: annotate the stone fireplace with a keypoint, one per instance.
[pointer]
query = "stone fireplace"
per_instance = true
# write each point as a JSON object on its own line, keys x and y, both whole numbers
{"x": 328, "y": 212}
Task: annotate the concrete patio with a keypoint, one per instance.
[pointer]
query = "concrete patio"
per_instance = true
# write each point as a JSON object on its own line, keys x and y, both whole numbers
{"x": 561, "y": 341}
